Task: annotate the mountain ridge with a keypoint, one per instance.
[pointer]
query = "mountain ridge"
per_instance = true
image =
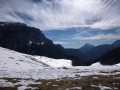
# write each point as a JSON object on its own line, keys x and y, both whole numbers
{"x": 30, "y": 40}
{"x": 100, "y": 50}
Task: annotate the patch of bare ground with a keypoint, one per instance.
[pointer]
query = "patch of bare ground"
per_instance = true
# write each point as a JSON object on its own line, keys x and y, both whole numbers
{"x": 84, "y": 83}
{"x": 8, "y": 88}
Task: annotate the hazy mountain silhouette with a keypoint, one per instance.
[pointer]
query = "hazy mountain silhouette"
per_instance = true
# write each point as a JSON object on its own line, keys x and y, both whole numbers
{"x": 87, "y": 47}
{"x": 97, "y": 51}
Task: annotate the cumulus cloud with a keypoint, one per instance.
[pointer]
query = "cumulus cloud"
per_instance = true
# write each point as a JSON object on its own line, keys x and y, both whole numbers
{"x": 56, "y": 14}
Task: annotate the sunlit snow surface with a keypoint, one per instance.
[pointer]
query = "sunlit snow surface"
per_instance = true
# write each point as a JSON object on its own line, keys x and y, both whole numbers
{"x": 17, "y": 65}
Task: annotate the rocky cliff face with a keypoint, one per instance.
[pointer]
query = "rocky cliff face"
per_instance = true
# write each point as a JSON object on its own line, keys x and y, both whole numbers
{"x": 30, "y": 40}
{"x": 16, "y": 33}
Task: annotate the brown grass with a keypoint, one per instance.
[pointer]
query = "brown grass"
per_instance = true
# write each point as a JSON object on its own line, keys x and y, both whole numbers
{"x": 67, "y": 83}
{"x": 84, "y": 82}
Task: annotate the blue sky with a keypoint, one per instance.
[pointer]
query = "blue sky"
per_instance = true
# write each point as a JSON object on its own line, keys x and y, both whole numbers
{"x": 71, "y": 23}
{"x": 77, "y": 37}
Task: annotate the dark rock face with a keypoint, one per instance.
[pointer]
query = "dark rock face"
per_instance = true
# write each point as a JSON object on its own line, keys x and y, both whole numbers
{"x": 78, "y": 59}
{"x": 110, "y": 58}
{"x": 30, "y": 40}
{"x": 18, "y": 34}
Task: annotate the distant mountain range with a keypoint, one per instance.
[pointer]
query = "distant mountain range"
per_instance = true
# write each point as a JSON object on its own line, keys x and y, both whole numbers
{"x": 98, "y": 51}
{"x": 93, "y": 52}
{"x": 30, "y": 40}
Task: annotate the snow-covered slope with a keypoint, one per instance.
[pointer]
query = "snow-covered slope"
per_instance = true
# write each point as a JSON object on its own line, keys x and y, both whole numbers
{"x": 17, "y": 65}
{"x": 13, "y": 60}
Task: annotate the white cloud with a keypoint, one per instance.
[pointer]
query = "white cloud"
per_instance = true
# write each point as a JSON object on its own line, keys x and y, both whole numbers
{"x": 99, "y": 37}
{"x": 60, "y": 42}
{"x": 102, "y": 14}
